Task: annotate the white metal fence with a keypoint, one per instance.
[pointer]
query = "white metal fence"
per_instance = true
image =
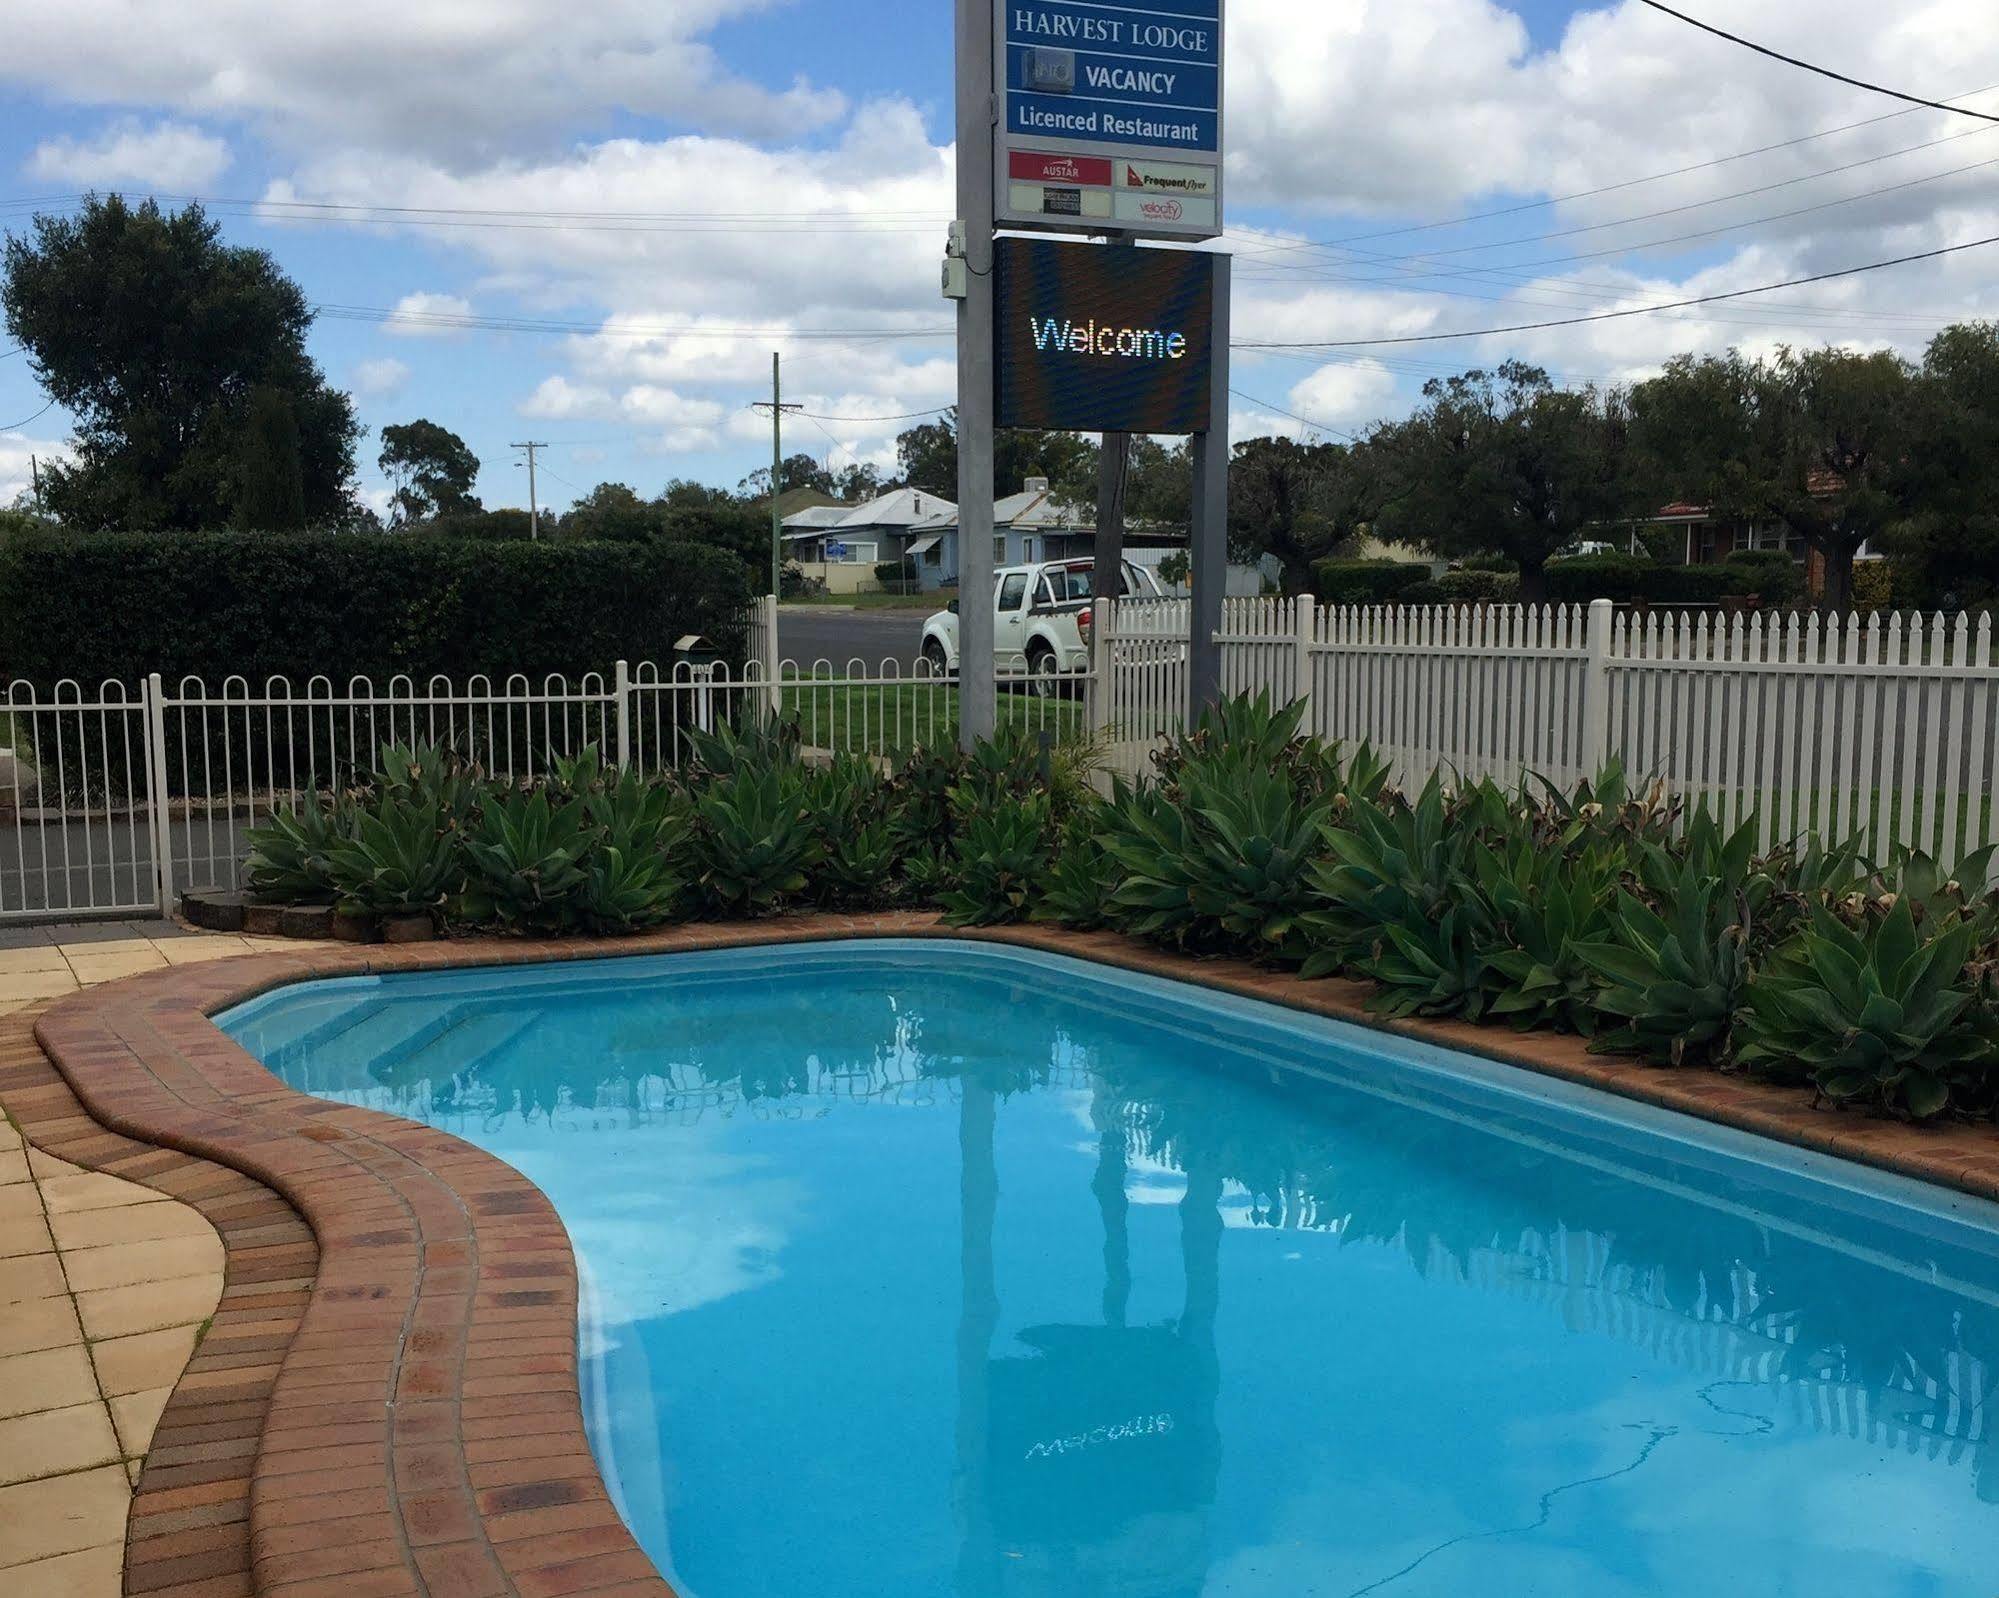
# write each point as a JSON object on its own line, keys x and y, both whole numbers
{"x": 1876, "y": 728}
{"x": 114, "y": 799}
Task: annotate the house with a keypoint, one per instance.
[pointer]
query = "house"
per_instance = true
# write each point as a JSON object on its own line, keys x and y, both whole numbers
{"x": 1035, "y": 524}
{"x": 1706, "y": 539}
{"x": 840, "y": 545}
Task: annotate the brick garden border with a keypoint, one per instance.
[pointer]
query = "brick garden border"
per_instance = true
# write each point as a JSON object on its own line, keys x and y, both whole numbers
{"x": 413, "y": 1424}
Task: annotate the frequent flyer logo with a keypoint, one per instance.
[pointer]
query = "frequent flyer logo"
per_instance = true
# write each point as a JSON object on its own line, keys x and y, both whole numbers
{"x": 1106, "y": 339}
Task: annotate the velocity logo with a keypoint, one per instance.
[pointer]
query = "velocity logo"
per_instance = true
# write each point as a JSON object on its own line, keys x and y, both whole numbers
{"x": 1067, "y": 337}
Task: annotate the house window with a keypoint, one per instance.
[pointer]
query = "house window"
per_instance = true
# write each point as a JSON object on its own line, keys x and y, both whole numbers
{"x": 1704, "y": 536}
{"x": 999, "y": 549}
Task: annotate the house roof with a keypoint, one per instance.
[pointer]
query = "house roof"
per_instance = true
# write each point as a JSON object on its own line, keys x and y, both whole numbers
{"x": 814, "y": 516}
{"x": 1033, "y": 509}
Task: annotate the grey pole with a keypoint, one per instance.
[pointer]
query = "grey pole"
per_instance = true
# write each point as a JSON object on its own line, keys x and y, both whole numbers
{"x": 977, "y": 698}
{"x": 1113, "y": 462}
{"x": 1210, "y": 553}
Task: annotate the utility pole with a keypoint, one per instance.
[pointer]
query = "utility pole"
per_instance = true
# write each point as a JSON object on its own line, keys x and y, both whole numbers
{"x": 978, "y": 702}
{"x": 534, "y": 502}
{"x": 35, "y": 471}
{"x": 776, "y": 406}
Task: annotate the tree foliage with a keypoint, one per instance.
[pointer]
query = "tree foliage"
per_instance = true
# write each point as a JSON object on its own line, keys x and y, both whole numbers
{"x": 1504, "y": 463}
{"x": 430, "y": 470}
{"x": 169, "y": 348}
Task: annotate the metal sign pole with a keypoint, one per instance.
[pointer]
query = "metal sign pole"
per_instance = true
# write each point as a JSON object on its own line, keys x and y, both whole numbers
{"x": 1210, "y": 532}
{"x": 977, "y": 697}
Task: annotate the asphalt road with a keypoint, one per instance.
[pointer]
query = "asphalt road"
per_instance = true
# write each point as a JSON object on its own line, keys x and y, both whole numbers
{"x": 810, "y": 633}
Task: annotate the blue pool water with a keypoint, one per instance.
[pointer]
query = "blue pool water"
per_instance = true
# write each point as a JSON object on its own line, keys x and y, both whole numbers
{"x": 926, "y": 1269}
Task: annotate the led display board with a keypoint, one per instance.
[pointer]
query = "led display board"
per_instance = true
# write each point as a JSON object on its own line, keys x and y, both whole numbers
{"x": 1110, "y": 116}
{"x": 1096, "y": 340}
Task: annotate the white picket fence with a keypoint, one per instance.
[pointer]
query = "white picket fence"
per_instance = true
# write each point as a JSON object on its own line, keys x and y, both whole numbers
{"x": 1881, "y": 729}
{"x": 1876, "y": 728}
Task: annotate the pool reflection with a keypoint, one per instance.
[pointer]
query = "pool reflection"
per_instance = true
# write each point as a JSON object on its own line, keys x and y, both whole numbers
{"x": 1089, "y": 1450}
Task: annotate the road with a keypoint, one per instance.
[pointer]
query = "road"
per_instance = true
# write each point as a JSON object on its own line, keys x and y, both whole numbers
{"x": 809, "y": 633}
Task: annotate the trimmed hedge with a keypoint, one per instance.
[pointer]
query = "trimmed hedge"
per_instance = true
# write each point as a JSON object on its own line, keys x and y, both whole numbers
{"x": 1365, "y": 582}
{"x": 1630, "y": 581}
{"x": 1476, "y": 585}
{"x": 119, "y": 605}
{"x": 97, "y": 606}
{"x": 1772, "y": 576}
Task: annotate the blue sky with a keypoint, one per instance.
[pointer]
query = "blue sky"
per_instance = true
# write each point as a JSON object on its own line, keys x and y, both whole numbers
{"x": 707, "y": 136}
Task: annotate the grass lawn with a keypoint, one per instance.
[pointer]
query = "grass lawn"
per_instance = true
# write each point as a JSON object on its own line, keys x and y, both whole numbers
{"x": 877, "y": 719}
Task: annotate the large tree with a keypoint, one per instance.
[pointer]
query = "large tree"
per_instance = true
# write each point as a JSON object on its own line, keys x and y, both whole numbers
{"x": 1946, "y": 546}
{"x": 167, "y": 346}
{"x": 1503, "y": 463}
{"x": 1298, "y": 502}
{"x": 1818, "y": 440}
{"x": 796, "y": 471}
{"x": 928, "y": 454}
{"x": 430, "y": 470}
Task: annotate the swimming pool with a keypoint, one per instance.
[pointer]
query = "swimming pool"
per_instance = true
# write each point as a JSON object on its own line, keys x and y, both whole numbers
{"x": 922, "y": 1268}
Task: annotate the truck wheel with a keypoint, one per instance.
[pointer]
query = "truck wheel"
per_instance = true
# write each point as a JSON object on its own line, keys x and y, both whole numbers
{"x": 1044, "y": 678}
{"x": 935, "y": 659}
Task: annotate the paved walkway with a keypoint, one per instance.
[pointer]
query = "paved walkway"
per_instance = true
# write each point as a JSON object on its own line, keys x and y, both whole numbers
{"x": 105, "y": 1289}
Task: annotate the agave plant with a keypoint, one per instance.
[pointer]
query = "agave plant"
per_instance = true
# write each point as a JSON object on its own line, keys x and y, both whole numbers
{"x": 574, "y": 776}
{"x": 1225, "y": 868}
{"x": 1542, "y": 908}
{"x": 1084, "y": 877}
{"x": 998, "y": 862}
{"x": 1395, "y": 865}
{"x": 728, "y": 751}
{"x": 1673, "y": 981}
{"x": 754, "y": 845}
{"x": 529, "y": 860}
{"x": 290, "y": 854}
{"x": 431, "y": 775}
{"x": 627, "y": 890}
{"x": 1881, "y": 1016}
{"x": 402, "y": 859}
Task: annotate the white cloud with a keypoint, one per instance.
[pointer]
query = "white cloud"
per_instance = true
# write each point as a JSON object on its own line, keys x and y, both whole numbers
{"x": 425, "y": 315}
{"x": 1345, "y": 395}
{"x": 457, "y": 79}
{"x": 167, "y": 155}
{"x": 381, "y": 379}
{"x": 663, "y": 419}
{"x": 18, "y": 454}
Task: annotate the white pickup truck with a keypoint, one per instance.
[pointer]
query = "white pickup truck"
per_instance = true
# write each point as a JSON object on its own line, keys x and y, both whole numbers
{"x": 1041, "y": 619}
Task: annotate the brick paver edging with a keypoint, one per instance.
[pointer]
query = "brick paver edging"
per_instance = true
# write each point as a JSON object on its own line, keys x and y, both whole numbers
{"x": 423, "y": 1434}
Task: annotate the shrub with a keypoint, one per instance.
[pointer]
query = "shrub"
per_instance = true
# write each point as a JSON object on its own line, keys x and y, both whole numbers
{"x": 402, "y": 859}
{"x": 897, "y": 576}
{"x": 1873, "y": 585}
{"x": 754, "y": 846}
{"x": 1631, "y": 581}
{"x": 999, "y": 862}
{"x": 529, "y": 863}
{"x": 1365, "y": 582}
{"x": 291, "y": 853}
{"x": 1770, "y": 574}
{"x": 1874, "y": 1017}
{"x": 1673, "y": 979}
{"x": 1471, "y": 586}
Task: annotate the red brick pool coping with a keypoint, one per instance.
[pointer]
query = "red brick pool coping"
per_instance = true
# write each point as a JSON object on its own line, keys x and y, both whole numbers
{"x": 400, "y": 1413}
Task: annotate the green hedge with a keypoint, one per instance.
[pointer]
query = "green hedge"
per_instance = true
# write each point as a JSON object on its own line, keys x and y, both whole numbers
{"x": 1630, "y": 581}
{"x": 1365, "y": 582}
{"x": 98, "y": 606}
{"x": 92, "y": 606}
{"x": 1473, "y": 585}
{"x": 1772, "y": 576}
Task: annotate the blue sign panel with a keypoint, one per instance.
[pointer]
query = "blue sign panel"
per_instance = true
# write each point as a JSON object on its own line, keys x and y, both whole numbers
{"x": 1141, "y": 76}
{"x": 1110, "y": 116}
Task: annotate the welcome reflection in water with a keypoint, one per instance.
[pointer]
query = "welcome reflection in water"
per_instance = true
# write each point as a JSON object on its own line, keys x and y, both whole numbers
{"x": 1088, "y": 1453}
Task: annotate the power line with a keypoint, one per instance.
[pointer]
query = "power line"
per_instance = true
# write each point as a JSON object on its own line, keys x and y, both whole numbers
{"x": 8, "y": 427}
{"x": 1606, "y": 188}
{"x": 1824, "y": 72}
{"x": 900, "y": 416}
{"x": 1611, "y": 316}
{"x": 1279, "y": 410}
